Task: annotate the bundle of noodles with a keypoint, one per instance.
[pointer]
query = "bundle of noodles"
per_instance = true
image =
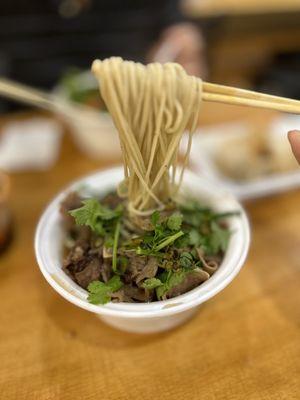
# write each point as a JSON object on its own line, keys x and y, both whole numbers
{"x": 151, "y": 107}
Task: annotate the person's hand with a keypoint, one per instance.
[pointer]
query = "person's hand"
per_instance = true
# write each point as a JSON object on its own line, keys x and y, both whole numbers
{"x": 294, "y": 138}
{"x": 182, "y": 43}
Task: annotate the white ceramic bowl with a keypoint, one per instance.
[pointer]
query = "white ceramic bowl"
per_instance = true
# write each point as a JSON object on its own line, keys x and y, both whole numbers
{"x": 140, "y": 317}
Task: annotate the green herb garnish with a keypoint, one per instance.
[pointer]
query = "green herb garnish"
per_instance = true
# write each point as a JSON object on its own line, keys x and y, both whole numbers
{"x": 163, "y": 234}
{"x": 100, "y": 292}
{"x": 186, "y": 260}
{"x": 95, "y": 215}
{"x": 174, "y": 222}
{"x": 152, "y": 283}
{"x": 166, "y": 281}
{"x": 168, "y": 240}
{"x": 169, "y": 280}
{"x": 203, "y": 228}
{"x": 115, "y": 247}
{"x": 103, "y": 221}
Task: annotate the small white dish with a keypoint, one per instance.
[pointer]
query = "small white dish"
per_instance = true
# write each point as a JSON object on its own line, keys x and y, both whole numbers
{"x": 140, "y": 317}
{"x": 208, "y": 141}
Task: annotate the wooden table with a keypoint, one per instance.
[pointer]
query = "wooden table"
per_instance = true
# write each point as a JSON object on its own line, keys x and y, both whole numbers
{"x": 243, "y": 344}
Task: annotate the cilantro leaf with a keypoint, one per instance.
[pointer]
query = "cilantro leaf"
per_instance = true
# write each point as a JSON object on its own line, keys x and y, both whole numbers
{"x": 216, "y": 241}
{"x": 194, "y": 238}
{"x": 99, "y": 298}
{"x": 87, "y": 214}
{"x": 162, "y": 235}
{"x": 115, "y": 247}
{"x": 183, "y": 241}
{"x": 160, "y": 291}
{"x": 95, "y": 215}
{"x": 170, "y": 280}
{"x": 174, "y": 221}
{"x": 152, "y": 283}
{"x": 219, "y": 238}
{"x": 176, "y": 278}
{"x": 195, "y": 215}
{"x": 186, "y": 260}
{"x": 115, "y": 283}
{"x": 100, "y": 292}
{"x": 168, "y": 240}
{"x": 155, "y": 218}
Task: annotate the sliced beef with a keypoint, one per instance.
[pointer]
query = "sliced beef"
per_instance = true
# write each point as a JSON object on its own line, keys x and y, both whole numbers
{"x": 191, "y": 281}
{"x": 149, "y": 270}
{"x": 111, "y": 200}
{"x": 71, "y": 202}
{"x": 209, "y": 264}
{"x": 129, "y": 293}
{"x": 106, "y": 270}
{"x": 135, "y": 266}
{"x": 121, "y": 297}
{"x": 91, "y": 272}
{"x": 139, "y": 267}
{"x": 76, "y": 254}
{"x": 83, "y": 270}
{"x": 83, "y": 235}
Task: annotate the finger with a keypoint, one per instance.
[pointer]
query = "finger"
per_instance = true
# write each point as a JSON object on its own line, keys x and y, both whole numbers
{"x": 294, "y": 138}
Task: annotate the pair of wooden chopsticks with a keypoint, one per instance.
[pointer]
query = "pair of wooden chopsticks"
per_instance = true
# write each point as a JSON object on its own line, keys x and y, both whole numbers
{"x": 231, "y": 95}
{"x": 210, "y": 92}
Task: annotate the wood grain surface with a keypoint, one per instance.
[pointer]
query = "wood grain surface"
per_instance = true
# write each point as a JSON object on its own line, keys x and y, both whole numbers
{"x": 243, "y": 344}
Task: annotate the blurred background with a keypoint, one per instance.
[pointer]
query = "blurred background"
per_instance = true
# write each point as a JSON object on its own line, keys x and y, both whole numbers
{"x": 250, "y": 43}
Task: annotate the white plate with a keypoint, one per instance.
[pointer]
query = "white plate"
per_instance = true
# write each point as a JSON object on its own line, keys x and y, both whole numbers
{"x": 207, "y": 141}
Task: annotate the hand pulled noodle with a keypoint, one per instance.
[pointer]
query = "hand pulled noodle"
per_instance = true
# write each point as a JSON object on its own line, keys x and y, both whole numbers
{"x": 151, "y": 107}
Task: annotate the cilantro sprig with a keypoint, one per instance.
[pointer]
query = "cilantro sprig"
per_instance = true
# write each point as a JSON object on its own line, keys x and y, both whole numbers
{"x": 100, "y": 292}
{"x": 163, "y": 234}
{"x": 103, "y": 221}
{"x": 115, "y": 247}
{"x": 95, "y": 215}
{"x": 203, "y": 228}
{"x": 195, "y": 215}
{"x": 166, "y": 281}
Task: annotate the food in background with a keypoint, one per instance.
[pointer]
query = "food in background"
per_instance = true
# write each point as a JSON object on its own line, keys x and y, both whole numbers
{"x": 253, "y": 155}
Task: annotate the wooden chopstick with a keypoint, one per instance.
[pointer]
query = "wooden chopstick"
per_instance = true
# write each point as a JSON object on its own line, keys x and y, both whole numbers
{"x": 249, "y": 94}
{"x": 25, "y": 94}
{"x": 210, "y": 92}
{"x": 231, "y": 95}
{"x": 39, "y": 98}
{"x": 289, "y": 108}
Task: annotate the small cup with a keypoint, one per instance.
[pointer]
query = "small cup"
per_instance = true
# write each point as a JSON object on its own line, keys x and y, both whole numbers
{"x": 142, "y": 317}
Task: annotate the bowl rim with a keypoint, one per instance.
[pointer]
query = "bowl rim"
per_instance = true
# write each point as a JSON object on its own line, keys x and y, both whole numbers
{"x": 162, "y": 308}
